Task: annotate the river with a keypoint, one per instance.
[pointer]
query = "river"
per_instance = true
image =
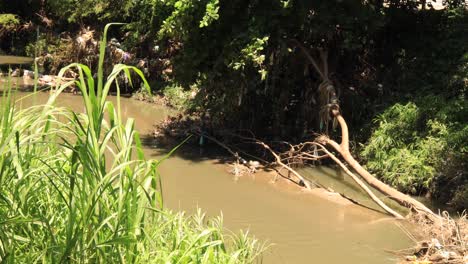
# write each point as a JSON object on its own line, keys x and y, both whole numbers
{"x": 304, "y": 227}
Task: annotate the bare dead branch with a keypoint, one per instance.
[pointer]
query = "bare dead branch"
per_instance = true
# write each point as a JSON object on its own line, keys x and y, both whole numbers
{"x": 279, "y": 162}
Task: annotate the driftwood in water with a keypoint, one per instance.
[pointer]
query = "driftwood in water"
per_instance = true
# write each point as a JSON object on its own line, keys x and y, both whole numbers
{"x": 278, "y": 160}
{"x": 317, "y": 149}
{"x": 312, "y": 151}
{"x": 239, "y": 160}
{"x": 309, "y": 151}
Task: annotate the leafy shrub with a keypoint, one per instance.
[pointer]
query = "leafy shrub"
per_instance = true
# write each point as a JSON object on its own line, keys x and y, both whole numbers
{"x": 416, "y": 146}
{"x": 392, "y": 149}
{"x": 8, "y": 20}
{"x": 8, "y": 23}
{"x": 179, "y": 98}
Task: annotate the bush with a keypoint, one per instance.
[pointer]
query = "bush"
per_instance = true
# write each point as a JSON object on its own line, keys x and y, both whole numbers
{"x": 419, "y": 146}
{"x": 179, "y": 98}
{"x": 8, "y": 21}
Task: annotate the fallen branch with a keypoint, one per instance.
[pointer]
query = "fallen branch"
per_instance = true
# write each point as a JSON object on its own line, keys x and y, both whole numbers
{"x": 280, "y": 162}
{"x": 361, "y": 184}
{"x": 300, "y": 179}
{"x": 343, "y": 150}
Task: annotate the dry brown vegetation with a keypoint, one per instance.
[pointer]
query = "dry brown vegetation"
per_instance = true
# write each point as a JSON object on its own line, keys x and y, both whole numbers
{"x": 442, "y": 242}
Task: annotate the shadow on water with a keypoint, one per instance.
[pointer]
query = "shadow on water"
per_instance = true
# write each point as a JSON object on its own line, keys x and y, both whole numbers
{"x": 190, "y": 150}
{"x": 329, "y": 176}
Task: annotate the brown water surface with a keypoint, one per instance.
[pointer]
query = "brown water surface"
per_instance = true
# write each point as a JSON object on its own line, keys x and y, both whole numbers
{"x": 15, "y": 60}
{"x": 304, "y": 227}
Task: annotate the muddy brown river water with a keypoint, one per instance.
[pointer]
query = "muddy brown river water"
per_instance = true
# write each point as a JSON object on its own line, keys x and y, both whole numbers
{"x": 305, "y": 227}
{"x": 15, "y": 60}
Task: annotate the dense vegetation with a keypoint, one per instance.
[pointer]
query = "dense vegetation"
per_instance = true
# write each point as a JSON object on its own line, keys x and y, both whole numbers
{"x": 76, "y": 188}
{"x": 244, "y": 64}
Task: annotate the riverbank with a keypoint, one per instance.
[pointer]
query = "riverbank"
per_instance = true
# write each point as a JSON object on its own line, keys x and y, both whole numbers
{"x": 281, "y": 213}
{"x": 265, "y": 74}
{"x": 70, "y": 195}
{"x": 262, "y": 177}
{"x": 452, "y": 232}
{"x": 376, "y": 87}
{"x": 175, "y": 127}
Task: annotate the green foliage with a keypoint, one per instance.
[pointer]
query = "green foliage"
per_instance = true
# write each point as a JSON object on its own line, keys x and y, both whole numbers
{"x": 195, "y": 240}
{"x": 391, "y": 150}
{"x": 412, "y": 143}
{"x": 252, "y": 66}
{"x": 181, "y": 14}
{"x": 89, "y": 10}
{"x": 250, "y": 73}
{"x": 432, "y": 56}
{"x": 211, "y": 14}
{"x": 8, "y": 21}
{"x": 252, "y": 53}
{"x": 34, "y": 49}
{"x": 178, "y": 97}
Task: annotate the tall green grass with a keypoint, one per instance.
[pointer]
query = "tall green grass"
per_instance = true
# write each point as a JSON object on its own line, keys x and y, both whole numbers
{"x": 76, "y": 188}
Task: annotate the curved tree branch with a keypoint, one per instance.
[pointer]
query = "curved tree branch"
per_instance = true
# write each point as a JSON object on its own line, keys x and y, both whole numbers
{"x": 361, "y": 184}
{"x": 280, "y": 162}
{"x": 394, "y": 194}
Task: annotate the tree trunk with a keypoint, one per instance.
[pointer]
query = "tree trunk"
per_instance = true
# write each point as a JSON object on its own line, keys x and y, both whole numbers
{"x": 362, "y": 185}
{"x": 330, "y": 101}
{"x": 392, "y": 193}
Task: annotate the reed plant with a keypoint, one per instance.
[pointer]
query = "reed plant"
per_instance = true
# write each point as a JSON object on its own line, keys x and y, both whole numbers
{"x": 76, "y": 187}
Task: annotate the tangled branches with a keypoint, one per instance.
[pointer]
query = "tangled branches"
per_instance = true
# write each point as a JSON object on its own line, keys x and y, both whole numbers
{"x": 442, "y": 242}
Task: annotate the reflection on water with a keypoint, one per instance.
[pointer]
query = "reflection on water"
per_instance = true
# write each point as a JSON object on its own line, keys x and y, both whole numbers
{"x": 305, "y": 228}
{"x": 339, "y": 181}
